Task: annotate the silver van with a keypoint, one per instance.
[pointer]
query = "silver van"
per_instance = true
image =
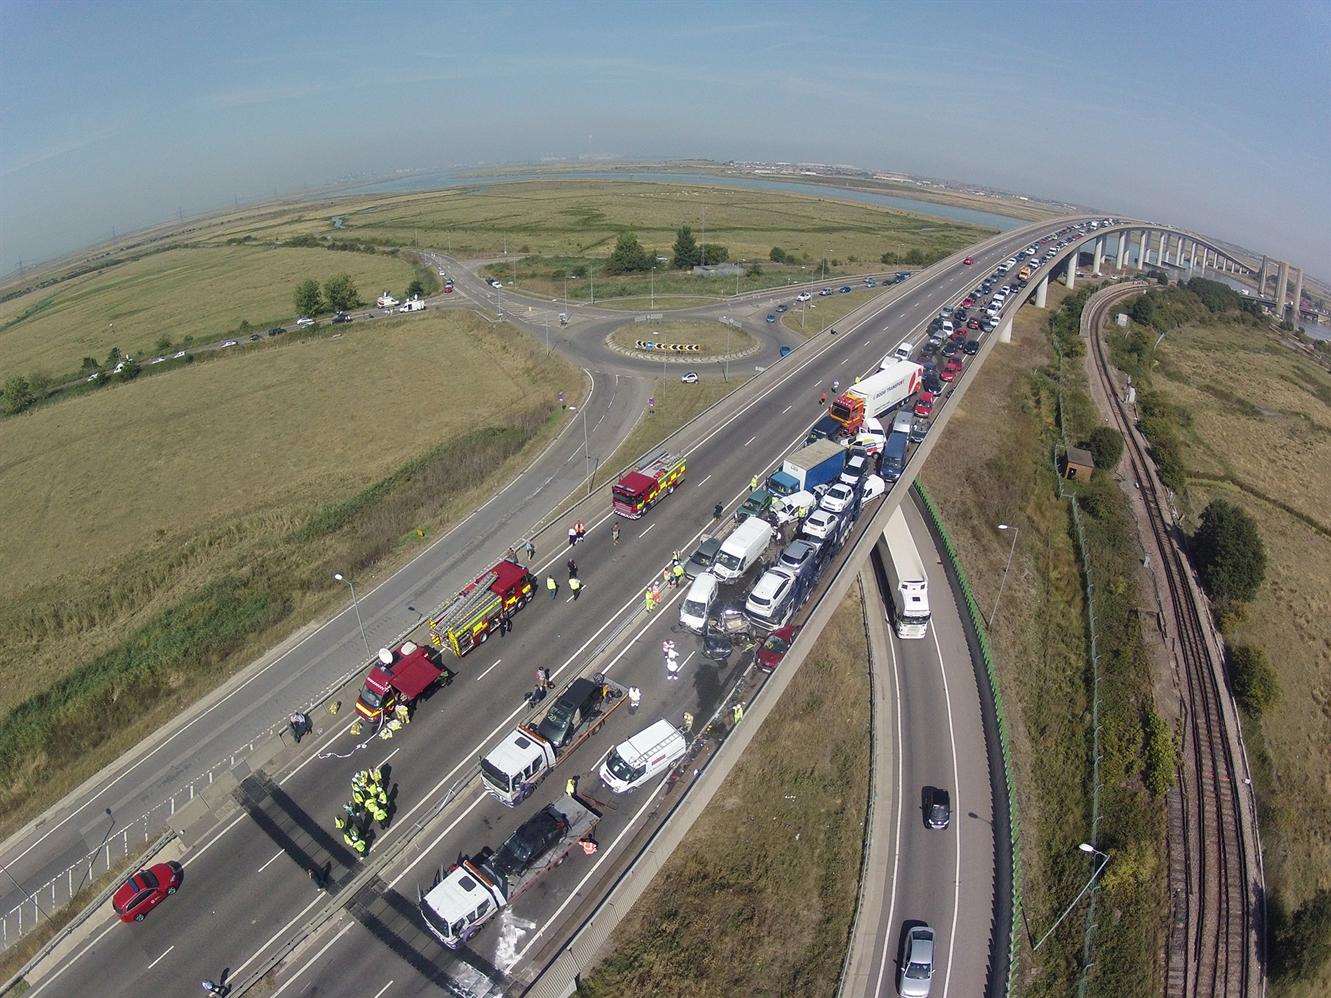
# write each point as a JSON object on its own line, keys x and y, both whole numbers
{"x": 742, "y": 549}
{"x": 651, "y": 751}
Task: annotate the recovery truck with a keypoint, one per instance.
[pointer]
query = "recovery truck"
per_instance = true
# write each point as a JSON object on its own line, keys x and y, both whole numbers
{"x": 400, "y": 676}
{"x": 517, "y": 764}
{"x": 876, "y": 394}
{"x": 815, "y": 464}
{"x": 638, "y": 490}
{"x": 478, "y": 887}
{"x": 467, "y": 619}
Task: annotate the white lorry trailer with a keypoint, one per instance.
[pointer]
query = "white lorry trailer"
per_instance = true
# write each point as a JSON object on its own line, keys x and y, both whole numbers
{"x": 876, "y": 394}
{"x": 478, "y": 887}
{"x": 906, "y": 578}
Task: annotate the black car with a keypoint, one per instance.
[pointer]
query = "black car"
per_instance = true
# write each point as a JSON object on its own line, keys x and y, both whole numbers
{"x": 537, "y": 836}
{"x": 276, "y": 331}
{"x": 255, "y": 337}
{"x": 929, "y": 349}
{"x": 972, "y": 347}
{"x": 701, "y": 560}
{"x": 959, "y": 315}
{"x": 340, "y": 318}
{"x": 845, "y": 289}
{"x": 949, "y": 348}
{"x": 937, "y": 806}
{"x": 931, "y": 381}
{"x": 580, "y": 699}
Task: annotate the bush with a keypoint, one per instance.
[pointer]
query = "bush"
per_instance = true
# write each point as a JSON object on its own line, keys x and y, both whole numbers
{"x": 754, "y": 269}
{"x": 628, "y": 256}
{"x": 16, "y": 395}
{"x": 1160, "y": 765}
{"x": 1252, "y": 678}
{"x": 1106, "y": 446}
{"x": 1231, "y": 558}
{"x": 778, "y": 255}
{"x": 1301, "y": 943}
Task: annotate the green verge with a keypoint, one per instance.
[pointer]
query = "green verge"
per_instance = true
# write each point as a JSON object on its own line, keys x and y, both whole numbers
{"x": 762, "y": 899}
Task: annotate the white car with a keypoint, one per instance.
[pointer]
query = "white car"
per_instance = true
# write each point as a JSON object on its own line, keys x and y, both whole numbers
{"x": 769, "y": 604}
{"x": 305, "y": 320}
{"x": 157, "y": 360}
{"x": 689, "y": 377}
{"x": 228, "y": 343}
{"x": 820, "y": 523}
{"x": 793, "y": 506}
{"x": 804, "y": 296}
{"x": 178, "y": 355}
{"x": 837, "y": 498}
{"x": 870, "y": 441}
{"x": 874, "y": 486}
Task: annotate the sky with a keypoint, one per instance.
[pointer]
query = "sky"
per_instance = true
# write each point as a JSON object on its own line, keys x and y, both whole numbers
{"x": 1212, "y": 116}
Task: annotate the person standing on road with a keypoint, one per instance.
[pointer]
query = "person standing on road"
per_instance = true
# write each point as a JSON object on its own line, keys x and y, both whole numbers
{"x": 822, "y": 400}
{"x": 635, "y": 698}
{"x": 543, "y": 678}
{"x": 688, "y": 722}
{"x": 836, "y": 385}
{"x": 614, "y": 532}
{"x": 571, "y": 787}
{"x": 648, "y": 600}
{"x": 572, "y": 568}
{"x": 753, "y": 484}
{"x": 552, "y": 586}
{"x": 580, "y": 529}
{"x": 575, "y": 585}
{"x": 530, "y": 548}
{"x": 572, "y": 535}
{"x": 512, "y": 553}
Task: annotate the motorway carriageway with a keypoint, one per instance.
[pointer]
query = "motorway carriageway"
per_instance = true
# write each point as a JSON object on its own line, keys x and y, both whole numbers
{"x": 245, "y": 887}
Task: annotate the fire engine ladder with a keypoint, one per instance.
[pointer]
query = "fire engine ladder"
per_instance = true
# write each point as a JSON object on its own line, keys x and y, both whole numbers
{"x": 465, "y": 604}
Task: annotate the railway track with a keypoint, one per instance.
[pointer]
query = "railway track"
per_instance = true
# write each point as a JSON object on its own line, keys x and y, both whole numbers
{"x": 1213, "y": 870}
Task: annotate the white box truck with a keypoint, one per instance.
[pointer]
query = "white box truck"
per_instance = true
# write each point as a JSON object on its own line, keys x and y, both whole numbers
{"x": 906, "y": 578}
{"x": 876, "y": 394}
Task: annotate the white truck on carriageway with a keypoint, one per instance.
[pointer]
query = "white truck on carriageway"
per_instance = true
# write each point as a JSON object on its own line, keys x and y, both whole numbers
{"x": 906, "y": 578}
{"x": 478, "y": 887}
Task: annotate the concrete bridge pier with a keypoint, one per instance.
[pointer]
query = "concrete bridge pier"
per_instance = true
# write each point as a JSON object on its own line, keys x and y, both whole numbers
{"x": 1261, "y": 276}
{"x": 1042, "y": 292}
{"x": 1192, "y": 258}
{"x": 1098, "y": 256}
{"x": 1298, "y": 295}
{"x": 1070, "y": 275}
{"x": 1005, "y": 330}
{"x": 1122, "y": 249}
{"x": 1282, "y": 285}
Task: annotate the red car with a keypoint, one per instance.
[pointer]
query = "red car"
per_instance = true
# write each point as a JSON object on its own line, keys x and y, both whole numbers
{"x": 924, "y": 405}
{"x": 950, "y": 370}
{"x": 968, "y": 261}
{"x": 973, "y": 324}
{"x": 448, "y": 288}
{"x": 957, "y": 336}
{"x": 145, "y": 890}
{"x": 774, "y": 647}
{"x": 968, "y": 303}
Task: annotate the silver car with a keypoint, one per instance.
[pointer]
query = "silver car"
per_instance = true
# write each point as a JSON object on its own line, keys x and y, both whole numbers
{"x": 917, "y": 965}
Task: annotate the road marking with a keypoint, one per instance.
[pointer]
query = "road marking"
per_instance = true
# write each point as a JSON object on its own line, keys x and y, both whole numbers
{"x": 750, "y": 440}
{"x": 704, "y": 481}
{"x": 438, "y": 838}
{"x": 380, "y": 992}
{"x": 867, "y": 342}
{"x": 318, "y": 899}
{"x": 280, "y": 854}
{"x": 956, "y": 810}
{"x": 787, "y": 409}
{"x": 311, "y": 961}
{"x": 488, "y": 671}
{"x": 160, "y": 958}
{"x": 644, "y": 533}
{"x": 896, "y": 848}
{"x": 395, "y": 751}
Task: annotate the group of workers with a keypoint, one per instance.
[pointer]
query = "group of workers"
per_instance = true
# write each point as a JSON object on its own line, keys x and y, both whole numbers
{"x": 400, "y": 719}
{"x": 369, "y": 802}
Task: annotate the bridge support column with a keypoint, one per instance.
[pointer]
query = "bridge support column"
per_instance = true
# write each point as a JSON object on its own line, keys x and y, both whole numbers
{"x": 1282, "y": 285}
{"x": 1098, "y": 256}
{"x": 1122, "y": 249}
{"x": 1261, "y": 276}
{"x": 1005, "y": 330}
{"x": 1192, "y": 257}
{"x": 1144, "y": 249}
{"x": 1160, "y": 253}
{"x": 1070, "y": 276}
{"x": 1298, "y": 295}
{"x": 1042, "y": 292}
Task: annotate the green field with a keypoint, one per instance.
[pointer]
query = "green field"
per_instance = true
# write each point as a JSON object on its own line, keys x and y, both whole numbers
{"x": 820, "y": 313}
{"x": 746, "y": 906}
{"x": 201, "y": 293}
{"x": 714, "y": 338}
{"x": 223, "y": 493}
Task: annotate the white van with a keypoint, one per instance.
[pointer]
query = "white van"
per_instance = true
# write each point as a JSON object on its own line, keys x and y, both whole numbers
{"x": 903, "y": 421}
{"x": 698, "y": 600}
{"x": 648, "y": 753}
{"x": 903, "y": 351}
{"x": 742, "y": 549}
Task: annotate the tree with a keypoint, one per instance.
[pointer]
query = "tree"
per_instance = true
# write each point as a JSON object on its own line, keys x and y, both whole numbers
{"x": 90, "y": 365}
{"x": 130, "y": 369}
{"x": 778, "y": 255}
{"x": 687, "y": 253}
{"x": 1106, "y": 446}
{"x": 16, "y": 395}
{"x": 1252, "y": 678}
{"x": 1302, "y": 942}
{"x": 754, "y": 269}
{"x": 163, "y": 344}
{"x": 628, "y": 256}
{"x": 579, "y": 271}
{"x": 308, "y": 299}
{"x": 1231, "y": 558}
{"x": 714, "y": 253}
{"x": 416, "y": 289}
{"x": 113, "y": 357}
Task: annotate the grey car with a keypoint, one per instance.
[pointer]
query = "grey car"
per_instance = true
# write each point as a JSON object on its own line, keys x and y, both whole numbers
{"x": 701, "y": 560}
{"x": 917, "y": 964}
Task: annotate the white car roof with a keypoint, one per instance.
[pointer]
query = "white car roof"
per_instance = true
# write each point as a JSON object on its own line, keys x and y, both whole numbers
{"x": 457, "y": 895}
{"x": 772, "y": 582}
{"x": 515, "y": 753}
{"x": 703, "y": 587}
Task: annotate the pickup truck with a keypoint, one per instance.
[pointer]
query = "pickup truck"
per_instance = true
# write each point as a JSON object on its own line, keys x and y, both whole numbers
{"x": 478, "y": 887}
{"x": 518, "y": 763}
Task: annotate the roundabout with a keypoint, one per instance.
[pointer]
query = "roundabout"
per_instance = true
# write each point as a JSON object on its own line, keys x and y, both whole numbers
{"x": 681, "y": 340}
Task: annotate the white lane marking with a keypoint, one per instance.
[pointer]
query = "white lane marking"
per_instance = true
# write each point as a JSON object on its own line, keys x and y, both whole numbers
{"x": 867, "y": 342}
{"x": 896, "y": 848}
{"x": 396, "y": 750}
{"x": 644, "y": 533}
{"x": 280, "y": 854}
{"x": 82, "y": 953}
{"x": 438, "y": 838}
{"x": 686, "y": 661}
{"x": 160, "y": 958}
{"x": 311, "y": 961}
{"x": 488, "y": 671}
{"x": 750, "y": 440}
{"x": 573, "y": 895}
{"x": 787, "y": 409}
{"x": 956, "y": 810}
{"x": 319, "y": 898}
{"x": 705, "y": 481}
{"x": 380, "y": 992}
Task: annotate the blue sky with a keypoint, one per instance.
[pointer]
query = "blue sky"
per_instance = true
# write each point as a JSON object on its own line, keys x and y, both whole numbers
{"x": 1212, "y": 116}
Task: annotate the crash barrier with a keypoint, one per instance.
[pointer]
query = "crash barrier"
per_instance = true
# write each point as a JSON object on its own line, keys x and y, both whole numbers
{"x": 52, "y": 947}
{"x": 670, "y": 347}
{"x": 996, "y": 696}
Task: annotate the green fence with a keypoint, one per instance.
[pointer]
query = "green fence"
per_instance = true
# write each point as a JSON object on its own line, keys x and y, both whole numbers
{"x": 977, "y": 621}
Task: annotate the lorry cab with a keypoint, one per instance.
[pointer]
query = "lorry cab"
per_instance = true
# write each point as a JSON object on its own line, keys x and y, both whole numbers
{"x": 511, "y": 769}
{"x": 648, "y": 753}
{"x": 456, "y": 908}
{"x": 400, "y": 675}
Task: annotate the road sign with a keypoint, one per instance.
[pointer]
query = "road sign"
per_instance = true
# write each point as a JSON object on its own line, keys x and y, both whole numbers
{"x": 649, "y": 317}
{"x": 731, "y": 322}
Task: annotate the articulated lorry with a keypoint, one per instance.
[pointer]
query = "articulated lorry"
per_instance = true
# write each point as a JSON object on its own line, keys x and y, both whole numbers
{"x": 639, "y": 490}
{"x": 467, "y": 619}
{"x": 876, "y": 394}
{"x": 906, "y": 578}
{"x": 517, "y": 764}
{"x": 478, "y": 887}
{"x": 818, "y": 463}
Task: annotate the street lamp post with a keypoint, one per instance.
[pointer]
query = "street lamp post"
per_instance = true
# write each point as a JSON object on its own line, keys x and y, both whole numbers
{"x": 1087, "y": 848}
{"x": 356, "y": 604}
{"x": 998, "y": 599}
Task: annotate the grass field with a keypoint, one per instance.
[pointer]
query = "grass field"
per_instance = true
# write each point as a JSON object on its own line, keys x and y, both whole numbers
{"x": 665, "y": 289}
{"x": 712, "y": 337}
{"x": 643, "y": 303}
{"x": 822, "y": 312}
{"x": 993, "y": 466}
{"x": 1259, "y": 435}
{"x": 200, "y": 293}
{"x": 577, "y": 218}
{"x": 759, "y": 900}
{"x": 192, "y": 519}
